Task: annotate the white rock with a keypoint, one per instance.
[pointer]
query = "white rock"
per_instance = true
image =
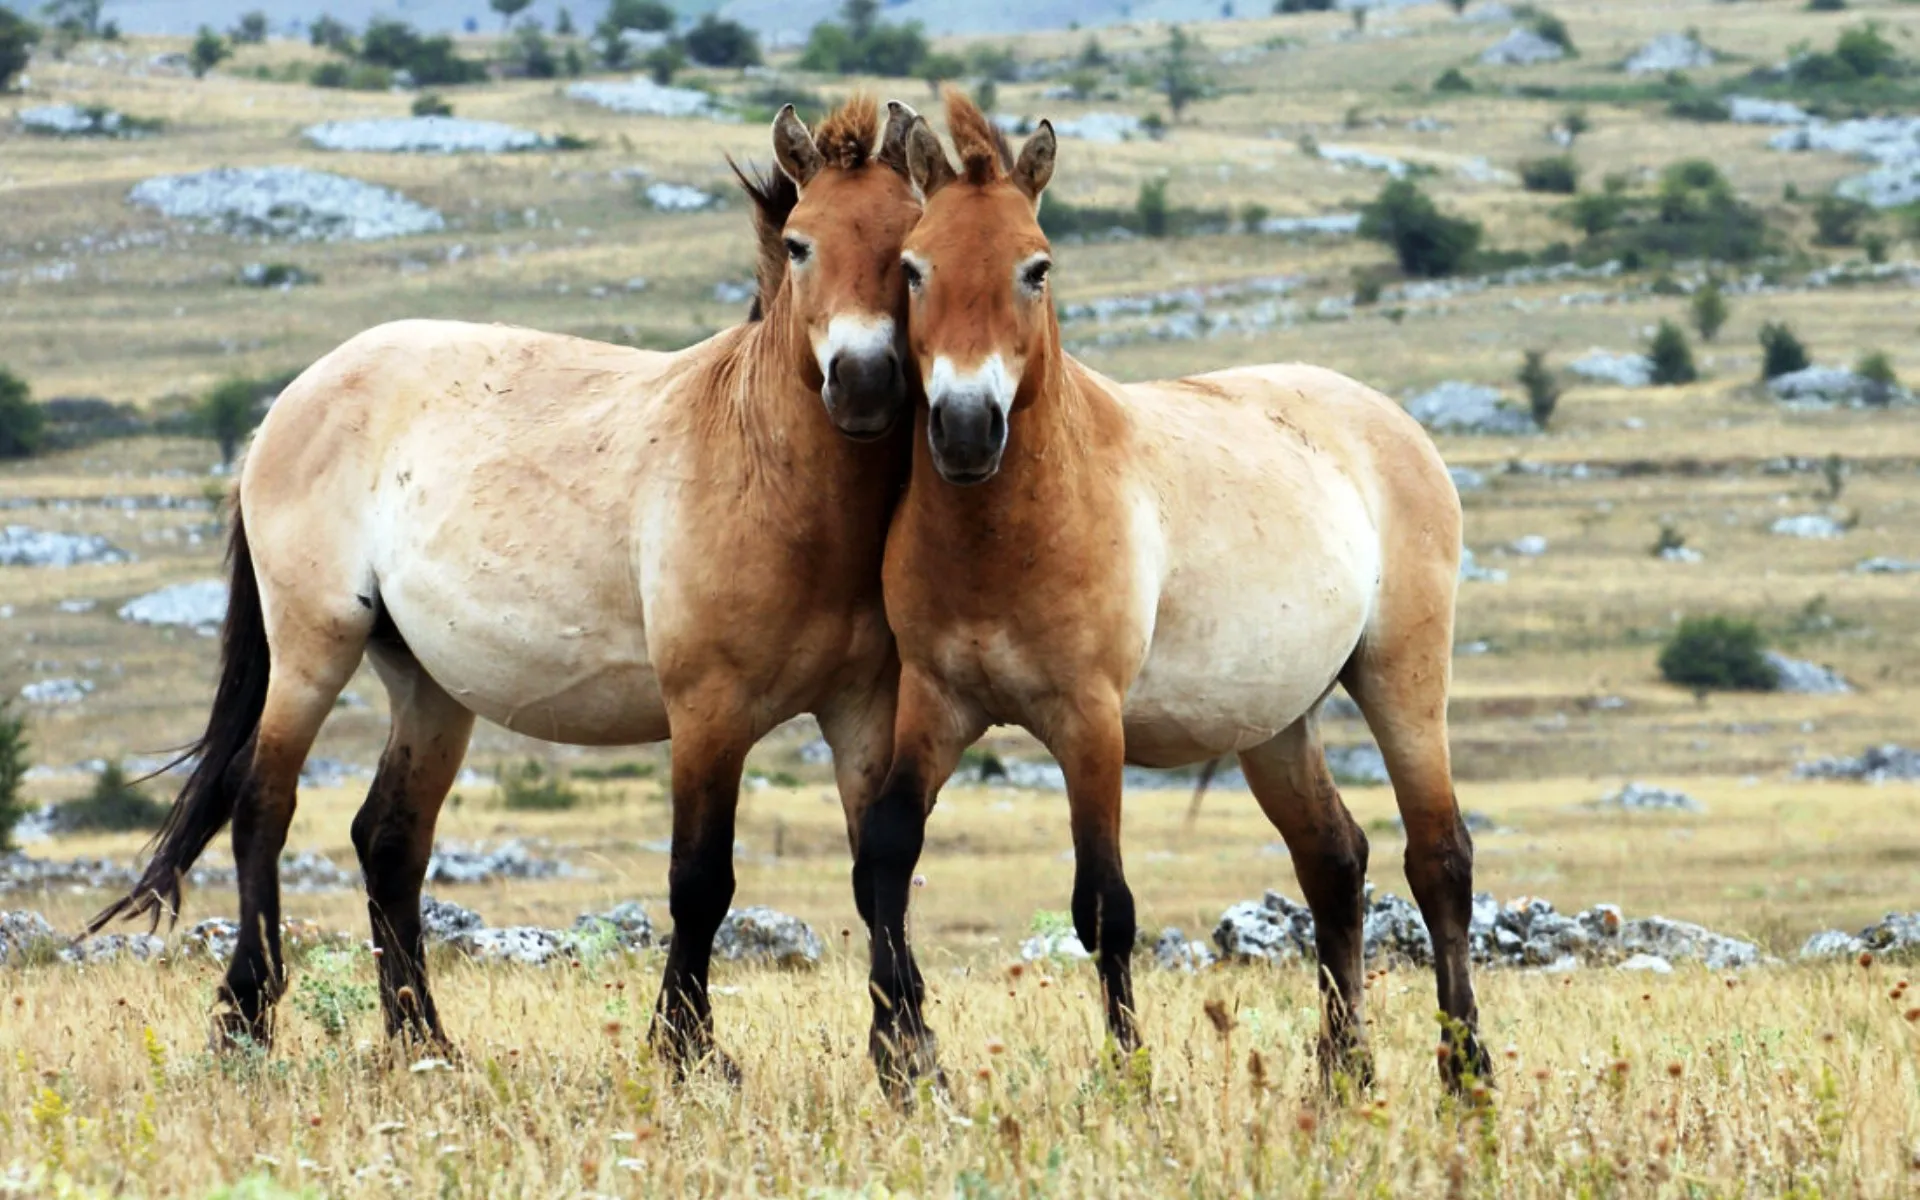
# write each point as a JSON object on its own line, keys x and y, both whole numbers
{"x": 286, "y": 202}
{"x": 1648, "y": 962}
{"x": 1472, "y": 572}
{"x": 1804, "y": 678}
{"x": 527, "y": 944}
{"x": 201, "y": 604}
{"x": 25, "y": 546}
{"x": 1621, "y": 370}
{"x": 1466, "y": 479}
{"x": 1530, "y": 546}
{"x": 1832, "y": 943}
{"x": 1361, "y": 765}
{"x": 52, "y": 692}
{"x": 1455, "y": 407}
{"x": 679, "y": 197}
{"x": 1668, "y": 52}
{"x": 1881, "y": 565}
{"x": 642, "y": 95}
{"x": 760, "y": 934}
{"x": 1332, "y": 224}
{"x": 1893, "y": 186}
{"x": 1751, "y": 110}
{"x": 1808, "y": 525}
{"x": 423, "y": 135}
{"x": 1640, "y": 797}
{"x": 1061, "y": 944}
{"x": 1109, "y": 127}
{"x": 70, "y": 120}
{"x": 1521, "y": 48}
{"x": 1818, "y": 385}
{"x": 1682, "y": 554}
{"x": 1366, "y": 160}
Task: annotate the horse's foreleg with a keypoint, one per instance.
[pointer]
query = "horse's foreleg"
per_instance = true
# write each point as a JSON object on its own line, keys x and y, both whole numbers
{"x": 929, "y": 735}
{"x": 710, "y": 743}
{"x": 858, "y": 728}
{"x": 1088, "y": 740}
{"x": 1289, "y": 777}
{"x": 393, "y": 834}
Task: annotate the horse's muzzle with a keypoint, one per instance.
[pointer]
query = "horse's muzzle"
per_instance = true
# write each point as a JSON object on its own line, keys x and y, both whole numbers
{"x": 967, "y": 433}
{"x": 864, "y": 393}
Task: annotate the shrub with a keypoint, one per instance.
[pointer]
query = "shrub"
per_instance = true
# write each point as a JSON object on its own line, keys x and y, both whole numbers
{"x": 1559, "y": 175}
{"x": 1698, "y": 106}
{"x": 209, "y": 51}
{"x": 1253, "y": 216}
{"x": 1875, "y": 245}
{"x": 718, "y": 42}
{"x": 1151, "y": 205}
{"x": 1837, "y": 220}
{"x": 1543, "y": 390}
{"x": 1452, "y": 80}
{"x": 328, "y": 995}
{"x": 1426, "y": 242}
{"x": 663, "y": 61}
{"x": 18, "y": 36}
{"x": 1877, "y": 370}
{"x": 1284, "y": 7}
{"x": 563, "y": 23}
{"x": 987, "y": 95}
{"x": 508, "y": 9}
{"x": 646, "y": 16}
{"x": 1694, "y": 214}
{"x": 431, "y": 104}
{"x": 1859, "y": 53}
{"x": 432, "y": 61}
{"x": 1596, "y": 212}
{"x": 358, "y": 77}
{"x": 997, "y": 63}
{"x": 1709, "y": 311}
{"x": 861, "y": 42}
{"x": 113, "y": 806}
{"x": 531, "y": 54}
{"x": 1554, "y": 30}
{"x": 531, "y": 787}
{"x": 1717, "y": 654}
{"x": 1826, "y": 5}
{"x": 13, "y": 770}
{"x": 228, "y": 413}
{"x": 251, "y": 30}
{"x": 1670, "y": 539}
{"x": 1672, "y": 358}
{"x": 331, "y": 33}
{"x": 1781, "y": 352}
{"x": 22, "y": 422}
{"x": 1181, "y": 79}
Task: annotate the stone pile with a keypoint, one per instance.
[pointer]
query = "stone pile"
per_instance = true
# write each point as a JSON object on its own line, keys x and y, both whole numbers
{"x": 25, "y": 546}
{"x": 1522, "y": 48}
{"x": 643, "y": 96}
{"x": 1472, "y": 408}
{"x": 1668, "y": 52}
{"x": 424, "y": 135}
{"x": 455, "y": 863}
{"x": 1802, "y": 678}
{"x": 1897, "y": 936}
{"x": 1641, "y": 797}
{"x": 1876, "y": 764}
{"x": 200, "y": 605}
{"x": 293, "y": 203}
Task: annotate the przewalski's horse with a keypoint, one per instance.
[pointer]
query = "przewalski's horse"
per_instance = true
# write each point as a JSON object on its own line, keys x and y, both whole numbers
{"x": 581, "y": 542}
{"x": 1157, "y": 573}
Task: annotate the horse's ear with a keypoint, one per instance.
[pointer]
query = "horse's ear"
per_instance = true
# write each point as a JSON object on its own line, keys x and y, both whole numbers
{"x": 893, "y": 142}
{"x": 793, "y": 148}
{"x": 1035, "y": 167}
{"x": 927, "y": 162}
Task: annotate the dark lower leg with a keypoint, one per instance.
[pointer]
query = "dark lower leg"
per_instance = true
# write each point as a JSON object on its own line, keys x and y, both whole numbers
{"x": 1333, "y": 873}
{"x": 893, "y": 830}
{"x": 1440, "y": 868}
{"x": 257, "y": 975}
{"x": 700, "y": 882}
{"x": 1103, "y": 917}
{"x": 394, "y": 839}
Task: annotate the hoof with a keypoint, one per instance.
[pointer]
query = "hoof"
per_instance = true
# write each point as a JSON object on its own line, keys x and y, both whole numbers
{"x": 1346, "y": 1071}
{"x": 232, "y": 1032}
{"x": 1466, "y": 1066}
{"x": 904, "y": 1060}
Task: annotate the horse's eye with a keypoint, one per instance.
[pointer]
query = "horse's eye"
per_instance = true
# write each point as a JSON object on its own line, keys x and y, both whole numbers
{"x": 798, "y": 251}
{"x": 912, "y": 274}
{"x": 1035, "y": 276}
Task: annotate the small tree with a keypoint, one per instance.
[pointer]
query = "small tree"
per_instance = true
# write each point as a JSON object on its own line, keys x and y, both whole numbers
{"x": 251, "y": 29}
{"x": 1718, "y": 654}
{"x": 647, "y": 16}
{"x": 1181, "y": 81}
{"x": 663, "y": 61}
{"x": 113, "y": 806}
{"x": 13, "y": 771}
{"x": 1426, "y": 242}
{"x": 332, "y": 33}
{"x": 1543, "y": 390}
{"x": 1834, "y": 471}
{"x": 1151, "y": 205}
{"x": 717, "y": 42}
{"x": 508, "y": 10}
{"x": 209, "y": 51}
{"x": 431, "y": 104}
{"x": 563, "y": 23}
{"x": 1458, "y": 6}
{"x": 1876, "y": 371}
{"x": 1553, "y": 29}
{"x": 18, "y": 37}
{"x": 228, "y": 413}
{"x": 939, "y": 68}
{"x": 22, "y": 422}
{"x": 1672, "y": 358}
{"x": 987, "y": 95}
{"x": 1452, "y": 80}
{"x": 1781, "y": 352}
{"x": 530, "y": 51}
{"x": 1709, "y": 311}
{"x": 1559, "y": 174}
{"x": 1837, "y": 220}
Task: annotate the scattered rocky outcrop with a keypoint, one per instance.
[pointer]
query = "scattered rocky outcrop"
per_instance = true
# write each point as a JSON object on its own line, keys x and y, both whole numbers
{"x": 423, "y": 135}
{"x": 1897, "y": 936}
{"x": 1327, "y": 225}
{"x": 1471, "y": 408}
{"x": 200, "y": 605}
{"x": 1876, "y": 764}
{"x": 50, "y": 693}
{"x": 1882, "y": 565}
{"x": 25, "y": 546}
{"x": 679, "y": 197}
{"x": 762, "y": 935}
{"x": 1522, "y": 48}
{"x": 1892, "y": 143}
{"x": 1365, "y": 160}
{"x": 443, "y": 921}
{"x": 455, "y": 863}
{"x": 1173, "y": 950}
{"x": 1808, "y": 525}
{"x": 1668, "y": 52}
{"x": 1359, "y": 765}
{"x": 1620, "y": 370}
{"x": 291, "y": 203}
{"x": 1107, "y": 127}
{"x": 625, "y": 924}
{"x": 1641, "y": 797}
{"x": 1752, "y": 110}
{"x": 23, "y": 936}
{"x": 1830, "y": 387}
{"x": 81, "y": 121}
{"x": 643, "y": 96}
{"x": 1805, "y": 678}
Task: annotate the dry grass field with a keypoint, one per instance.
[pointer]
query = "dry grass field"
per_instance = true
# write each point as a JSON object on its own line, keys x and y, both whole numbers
{"x": 1788, "y": 1079}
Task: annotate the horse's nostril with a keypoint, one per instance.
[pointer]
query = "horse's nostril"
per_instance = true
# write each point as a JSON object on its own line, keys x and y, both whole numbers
{"x": 939, "y": 425}
{"x": 996, "y": 426}
{"x": 833, "y": 371}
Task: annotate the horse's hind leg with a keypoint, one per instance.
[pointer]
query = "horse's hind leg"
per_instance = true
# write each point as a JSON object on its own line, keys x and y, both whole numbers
{"x": 301, "y": 690}
{"x": 1289, "y": 777}
{"x": 1399, "y": 678}
{"x": 393, "y": 832}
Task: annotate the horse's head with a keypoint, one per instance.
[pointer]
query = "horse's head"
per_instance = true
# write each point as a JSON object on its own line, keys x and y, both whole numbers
{"x": 841, "y": 243}
{"x": 981, "y": 316}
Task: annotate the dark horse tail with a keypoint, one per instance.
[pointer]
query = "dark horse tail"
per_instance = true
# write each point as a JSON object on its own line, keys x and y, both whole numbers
{"x": 206, "y": 802}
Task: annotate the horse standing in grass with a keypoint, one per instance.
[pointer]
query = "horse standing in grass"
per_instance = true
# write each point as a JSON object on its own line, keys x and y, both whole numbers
{"x": 1156, "y": 573}
{"x": 583, "y": 543}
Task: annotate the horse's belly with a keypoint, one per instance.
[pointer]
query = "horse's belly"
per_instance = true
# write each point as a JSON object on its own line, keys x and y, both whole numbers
{"x": 1220, "y": 680}
{"x": 554, "y": 664}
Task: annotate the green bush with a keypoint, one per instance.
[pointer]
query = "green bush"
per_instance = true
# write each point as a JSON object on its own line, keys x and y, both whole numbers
{"x": 1426, "y": 242}
{"x": 718, "y": 42}
{"x": 431, "y": 104}
{"x": 1858, "y": 54}
{"x": 18, "y": 36}
{"x": 1670, "y": 539}
{"x": 1694, "y": 214}
{"x": 209, "y": 50}
{"x": 1554, "y": 30}
{"x": 1877, "y": 370}
{"x": 1452, "y": 80}
{"x": 1781, "y": 351}
{"x": 530, "y": 53}
{"x": 1672, "y": 358}
{"x": 1826, "y": 5}
{"x": 1559, "y": 175}
{"x": 331, "y": 33}
{"x": 13, "y": 771}
{"x": 861, "y": 43}
{"x": 431, "y": 61}
{"x": 23, "y": 423}
{"x": 113, "y": 806}
{"x": 1543, "y": 390}
{"x": 228, "y": 413}
{"x": 1837, "y": 219}
{"x": 328, "y": 994}
{"x": 1284, "y": 7}
{"x": 1151, "y": 205}
{"x": 356, "y": 77}
{"x": 1709, "y": 309}
{"x": 251, "y": 30}
{"x": 1699, "y": 106}
{"x": 1718, "y": 654}
{"x": 531, "y": 787}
